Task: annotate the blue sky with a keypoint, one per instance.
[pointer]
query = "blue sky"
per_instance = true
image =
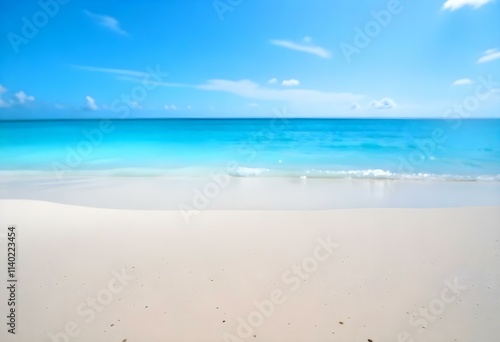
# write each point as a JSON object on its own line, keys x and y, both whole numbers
{"x": 247, "y": 58}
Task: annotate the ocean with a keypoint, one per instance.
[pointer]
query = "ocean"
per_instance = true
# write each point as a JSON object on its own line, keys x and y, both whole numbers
{"x": 448, "y": 150}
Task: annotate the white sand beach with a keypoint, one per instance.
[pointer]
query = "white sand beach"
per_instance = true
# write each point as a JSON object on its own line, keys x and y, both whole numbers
{"x": 104, "y": 275}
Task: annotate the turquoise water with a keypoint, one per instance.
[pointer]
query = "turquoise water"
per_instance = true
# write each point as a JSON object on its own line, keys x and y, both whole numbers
{"x": 337, "y": 148}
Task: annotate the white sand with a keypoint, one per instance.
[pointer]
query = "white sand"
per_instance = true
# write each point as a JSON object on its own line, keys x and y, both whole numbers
{"x": 192, "y": 283}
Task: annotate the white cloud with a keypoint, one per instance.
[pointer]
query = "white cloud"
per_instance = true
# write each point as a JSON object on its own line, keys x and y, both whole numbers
{"x": 251, "y": 90}
{"x": 462, "y": 81}
{"x": 384, "y": 103}
{"x": 19, "y": 98}
{"x": 23, "y": 98}
{"x": 453, "y": 5}
{"x": 272, "y": 80}
{"x": 308, "y": 47}
{"x": 106, "y": 21}
{"x": 489, "y": 55}
{"x": 90, "y": 103}
{"x": 172, "y": 107}
{"x": 355, "y": 106}
{"x": 290, "y": 83}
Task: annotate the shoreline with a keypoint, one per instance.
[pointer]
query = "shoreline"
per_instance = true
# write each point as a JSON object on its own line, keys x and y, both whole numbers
{"x": 222, "y": 192}
{"x": 60, "y": 175}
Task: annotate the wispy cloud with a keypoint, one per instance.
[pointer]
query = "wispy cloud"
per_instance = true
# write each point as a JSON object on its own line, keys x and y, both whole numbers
{"x": 453, "y": 5}
{"x": 153, "y": 83}
{"x": 106, "y": 21}
{"x": 251, "y": 90}
{"x": 133, "y": 75}
{"x": 462, "y": 81}
{"x": 90, "y": 104}
{"x": 123, "y": 72}
{"x": 489, "y": 55}
{"x": 272, "y": 80}
{"x": 307, "y": 47}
